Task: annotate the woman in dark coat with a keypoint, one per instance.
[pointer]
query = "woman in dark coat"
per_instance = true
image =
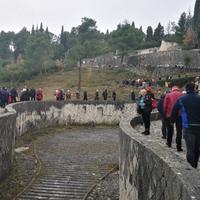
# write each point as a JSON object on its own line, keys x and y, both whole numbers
{"x": 145, "y": 109}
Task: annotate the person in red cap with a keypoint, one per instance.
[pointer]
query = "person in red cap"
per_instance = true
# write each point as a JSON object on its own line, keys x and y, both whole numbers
{"x": 39, "y": 95}
{"x": 150, "y": 93}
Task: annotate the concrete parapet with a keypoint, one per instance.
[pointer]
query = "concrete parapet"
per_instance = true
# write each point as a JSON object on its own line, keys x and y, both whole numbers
{"x": 151, "y": 172}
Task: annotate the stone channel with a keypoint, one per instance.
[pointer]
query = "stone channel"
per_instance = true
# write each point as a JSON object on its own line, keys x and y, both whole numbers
{"x": 73, "y": 162}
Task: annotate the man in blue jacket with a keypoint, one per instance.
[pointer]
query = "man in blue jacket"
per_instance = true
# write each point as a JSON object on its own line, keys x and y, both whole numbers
{"x": 189, "y": 106}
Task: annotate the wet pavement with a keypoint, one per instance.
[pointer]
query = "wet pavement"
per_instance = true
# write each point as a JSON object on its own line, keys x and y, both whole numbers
{"x": 73, "y": 162}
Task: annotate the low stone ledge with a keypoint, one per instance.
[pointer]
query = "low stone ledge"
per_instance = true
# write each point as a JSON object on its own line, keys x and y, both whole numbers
{"x": 147, "y": 171}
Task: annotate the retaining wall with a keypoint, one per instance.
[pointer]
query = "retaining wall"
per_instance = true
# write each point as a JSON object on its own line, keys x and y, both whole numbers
{"x": 25, "y": 116}
{"x": 147, "y": 171}
{"x": 151, "y": 172}
{"x": 34, "y": 115}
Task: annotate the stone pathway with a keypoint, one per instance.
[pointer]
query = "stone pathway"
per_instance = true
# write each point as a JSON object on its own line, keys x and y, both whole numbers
{"x": 73, "y": 162}
{"x": 156, "y": 136}
{"x": 2, "y": 110}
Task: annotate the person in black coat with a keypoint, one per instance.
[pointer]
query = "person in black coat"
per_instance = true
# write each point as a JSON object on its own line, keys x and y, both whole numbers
{"x": 24, "y": 95}
{"x": 145, "y": 106}
{"x": 114, "y": 95}
{"x": 105, "y": 94}
{"x": 189, "y": 107}
{"x": 163, "y": 119}
{"x": 85, "y": 96}
{"x": 14, "y": 94}
{"x": 132, "y": 95}
{"x": 32, "y": 94}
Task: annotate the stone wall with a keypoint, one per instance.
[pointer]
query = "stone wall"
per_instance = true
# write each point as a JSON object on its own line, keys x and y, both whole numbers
{"x": 7, "y": 135}
{"x": 166, "y": 59}
{"x": 144, "y": 58}
{"x": 149, "y": 172}
{"x": 26, "y": 116}
{"x": 33, "y": 115}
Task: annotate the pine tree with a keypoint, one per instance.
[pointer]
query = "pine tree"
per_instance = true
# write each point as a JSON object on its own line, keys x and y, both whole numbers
{"x": 149, "y": 36}
{"x": 196, "y": 21}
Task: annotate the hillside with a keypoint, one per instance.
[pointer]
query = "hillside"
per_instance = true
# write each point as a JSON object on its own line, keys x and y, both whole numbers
{"x": 92, "y": 79}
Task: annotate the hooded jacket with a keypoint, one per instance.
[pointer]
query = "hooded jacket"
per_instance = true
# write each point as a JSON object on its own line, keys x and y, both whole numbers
{"x": 189, "y": 106}
{"x": 170, "y": 100}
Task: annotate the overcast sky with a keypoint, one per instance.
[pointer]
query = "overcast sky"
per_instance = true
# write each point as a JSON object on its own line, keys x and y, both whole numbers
{"x": 15, "y": 14}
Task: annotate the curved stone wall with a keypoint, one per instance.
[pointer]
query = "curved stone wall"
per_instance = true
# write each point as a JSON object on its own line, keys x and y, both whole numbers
{"x": 34, "y": 115}
{"x": 26, "y": 116}
{"x": 149, "y": 172}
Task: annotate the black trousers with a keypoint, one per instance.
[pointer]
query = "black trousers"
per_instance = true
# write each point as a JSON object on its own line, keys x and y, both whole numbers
{"x": 146, "y": 119}
{"x": 170, "y": 132}
{"x": 164, "y": 127}
{"x": 192, "y": 140}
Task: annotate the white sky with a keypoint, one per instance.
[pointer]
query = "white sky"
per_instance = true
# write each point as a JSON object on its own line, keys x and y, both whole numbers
{"x": 15, "y": 14}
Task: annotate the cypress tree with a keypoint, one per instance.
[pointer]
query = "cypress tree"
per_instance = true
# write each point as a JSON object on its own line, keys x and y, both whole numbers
{"x": 61, "y": 35}
{"x": 196, "y": 21}
{"x": 149, "y": 36}
{"x": 41, "y": 28}
{"x": 33, "y": 30}
{"x": 159, "y": 33}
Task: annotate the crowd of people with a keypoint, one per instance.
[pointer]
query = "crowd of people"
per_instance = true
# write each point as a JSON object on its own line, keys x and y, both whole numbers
{"x": 177, "y": 108}
{"x": 10, "y": 95}
{"x": 60, "y": 95}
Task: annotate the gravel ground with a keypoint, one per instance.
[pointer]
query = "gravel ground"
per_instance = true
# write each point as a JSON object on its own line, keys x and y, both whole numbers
{"x": 23, "y": 170}
{"x": 107, "y": 189}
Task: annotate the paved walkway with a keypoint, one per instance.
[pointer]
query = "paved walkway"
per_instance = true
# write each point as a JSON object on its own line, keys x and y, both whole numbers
{"x": 73, "y": 162}
{"x": 156, "y": 136}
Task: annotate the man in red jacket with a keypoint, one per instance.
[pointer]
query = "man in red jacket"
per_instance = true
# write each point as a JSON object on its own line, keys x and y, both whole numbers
{"x": 169, "y": 102}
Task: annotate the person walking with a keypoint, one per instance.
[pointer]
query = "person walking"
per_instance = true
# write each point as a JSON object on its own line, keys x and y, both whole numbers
{"x": 169, "y": 102}
{"x": 144, "y": 104}
{"x": 105, "y": 95}
{"x": 114, "y": 95}
{"x": 32, "y": 94}
{"x": 85, "y": 96}
{"x": 39, "y": 94}
{"x": 189, "y": 107}
{"x": 132, "y": 95}
{"x": 96, "y": 95}
{"x": 163, "y": 119}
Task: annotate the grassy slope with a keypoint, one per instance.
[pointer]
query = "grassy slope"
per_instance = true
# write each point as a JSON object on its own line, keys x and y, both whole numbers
{"x": 92, "y": 79}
